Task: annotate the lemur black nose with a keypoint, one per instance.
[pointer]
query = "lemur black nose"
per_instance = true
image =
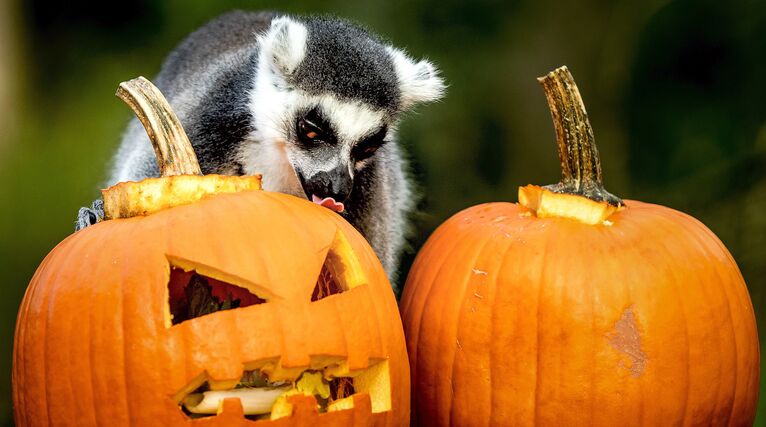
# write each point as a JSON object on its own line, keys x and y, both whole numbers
{"x": 335, "y": 183}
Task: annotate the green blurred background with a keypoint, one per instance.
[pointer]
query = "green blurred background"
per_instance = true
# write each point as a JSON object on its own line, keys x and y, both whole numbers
{"x": 675, "y": 91}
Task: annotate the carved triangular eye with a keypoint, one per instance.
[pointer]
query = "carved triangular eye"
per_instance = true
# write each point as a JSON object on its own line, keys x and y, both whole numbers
{"x": 326, "y": 285}
{"x": 192, "y": 295}
{"x": 341, "y": 270}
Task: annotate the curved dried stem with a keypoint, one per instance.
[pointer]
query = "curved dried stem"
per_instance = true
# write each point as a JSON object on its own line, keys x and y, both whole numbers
{"x": 580, "y": 164}
{"x": 175, "y": 155}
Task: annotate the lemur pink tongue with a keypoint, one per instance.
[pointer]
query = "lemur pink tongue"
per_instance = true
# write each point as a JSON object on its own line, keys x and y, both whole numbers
{"x": 328, "y": 202}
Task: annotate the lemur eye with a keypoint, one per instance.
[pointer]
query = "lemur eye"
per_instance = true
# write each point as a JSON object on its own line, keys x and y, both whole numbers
{"x": 309, "y": 133}
{"x": 368, "y": 146}
{"x": 312, "y": 129}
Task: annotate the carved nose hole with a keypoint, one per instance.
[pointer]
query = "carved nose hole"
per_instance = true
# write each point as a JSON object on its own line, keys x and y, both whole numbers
{"x": 327, "y": 284}
{"x": 341, "y": 270}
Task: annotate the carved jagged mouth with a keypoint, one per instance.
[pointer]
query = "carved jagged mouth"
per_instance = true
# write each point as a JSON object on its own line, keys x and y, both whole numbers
{"x": 263, "y": 399}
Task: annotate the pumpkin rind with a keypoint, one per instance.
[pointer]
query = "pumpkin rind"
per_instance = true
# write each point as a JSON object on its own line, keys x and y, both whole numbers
{"x": 96, "y": 342}
{"x": 507, "y": 322}
{"x": 92, "y": 346}
{"x": 576, "y": 308}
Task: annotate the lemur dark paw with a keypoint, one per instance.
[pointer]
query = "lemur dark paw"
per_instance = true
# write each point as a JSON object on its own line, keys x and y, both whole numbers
{"x": 89, "y": 216}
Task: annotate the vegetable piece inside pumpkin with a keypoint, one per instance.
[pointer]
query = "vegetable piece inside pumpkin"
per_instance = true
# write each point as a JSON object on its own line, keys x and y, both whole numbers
{"x": 264, "y": 399}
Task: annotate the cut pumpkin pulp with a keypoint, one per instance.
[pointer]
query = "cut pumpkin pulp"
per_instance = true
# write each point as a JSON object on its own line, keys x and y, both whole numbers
{"x": 545, "y": 203}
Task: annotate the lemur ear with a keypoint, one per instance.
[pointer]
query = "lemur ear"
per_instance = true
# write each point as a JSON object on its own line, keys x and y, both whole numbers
{"x": 418, "y": 81}
{"x": 284, "y": 44}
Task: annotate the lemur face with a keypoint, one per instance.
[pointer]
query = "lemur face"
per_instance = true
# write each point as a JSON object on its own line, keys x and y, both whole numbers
{"x": 332, "y": 140}
{"x": 325, "y": 103}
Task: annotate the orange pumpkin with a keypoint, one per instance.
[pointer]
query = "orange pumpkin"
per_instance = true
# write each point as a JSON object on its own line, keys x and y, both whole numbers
{"x": 574, "y": 308}
{"x": 154, "y": 319}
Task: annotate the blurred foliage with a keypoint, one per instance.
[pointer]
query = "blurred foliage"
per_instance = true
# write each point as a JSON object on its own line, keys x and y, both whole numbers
{"x": 674, "y": 89}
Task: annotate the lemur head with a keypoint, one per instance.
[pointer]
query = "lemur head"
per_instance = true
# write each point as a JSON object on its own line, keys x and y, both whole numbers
{"x": 327, "y": 97}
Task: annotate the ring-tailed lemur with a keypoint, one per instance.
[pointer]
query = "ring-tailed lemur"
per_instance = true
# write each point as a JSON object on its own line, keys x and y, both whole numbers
{"x": 311, "y": 103}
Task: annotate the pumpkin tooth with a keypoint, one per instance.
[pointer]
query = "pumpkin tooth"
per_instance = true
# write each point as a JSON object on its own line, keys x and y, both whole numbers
{"x": 255, "y": 401}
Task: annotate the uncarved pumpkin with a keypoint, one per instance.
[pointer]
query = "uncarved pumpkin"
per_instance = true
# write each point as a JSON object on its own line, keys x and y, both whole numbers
{"x": 105, "y": 336}
{"x": 574, "y": 308}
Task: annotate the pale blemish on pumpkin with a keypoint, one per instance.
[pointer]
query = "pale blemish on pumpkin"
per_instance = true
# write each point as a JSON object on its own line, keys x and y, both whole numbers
{"x": 626, "y": 339}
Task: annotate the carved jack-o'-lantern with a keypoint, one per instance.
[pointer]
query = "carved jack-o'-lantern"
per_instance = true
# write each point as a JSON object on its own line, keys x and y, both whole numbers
{"x": 228, "y": 310}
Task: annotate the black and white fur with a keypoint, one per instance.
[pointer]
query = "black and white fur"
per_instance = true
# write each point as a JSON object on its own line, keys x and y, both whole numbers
{"x": 246, "y": 86}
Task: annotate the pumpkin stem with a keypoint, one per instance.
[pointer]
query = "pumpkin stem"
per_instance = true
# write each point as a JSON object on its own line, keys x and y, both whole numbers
{"x": 175, "y": 155}
{"x": 182, "y": 181}
{"x": 580, "y": 164}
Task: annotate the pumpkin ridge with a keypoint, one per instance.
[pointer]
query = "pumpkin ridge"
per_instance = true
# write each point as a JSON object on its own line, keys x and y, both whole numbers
{"x": 128, "y": 326}
{"x": 433, "y": 272}
{"x": 67, "y": 326}
{"x": 407, "y": 304}
{"x": 420, "y": 324}
{"x": 628, "y": 288}
{"x": 687, "y": 361}
{"x": 460, "y": 311}
{"x": 507, "y": 259}
{"x": 35, "y": 291}
{"x": 463, "y": 287}
{"x": 726, "y": 297}
{"x": 745, "y": 303}
{"x": 439, "y": 273}
{"x": 377, "y": 335}
{"x": 731, "y": 321}
{"x": 415, "y": 331}
{"x": 490, "y": 236}
{"x": 712, "y": 292}
{"x": 704, "y": 248}
{"x": 94, "y": 411}
{"x": 125, "y": 325}
{"x": 81, "y": 330}
{"x": 54, "y": 280}
{"x": 541, "y": 284}
{"x": 338, "y": 322}
{"x": 592, "y": 357}
{"x": 122, "y": 364}
{"x": 31, "y": 294}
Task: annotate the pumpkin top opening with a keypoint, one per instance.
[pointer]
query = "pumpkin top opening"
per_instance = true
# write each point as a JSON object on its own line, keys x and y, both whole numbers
{"x": 580, "y": 194}
{"x": 182, "y": 181}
